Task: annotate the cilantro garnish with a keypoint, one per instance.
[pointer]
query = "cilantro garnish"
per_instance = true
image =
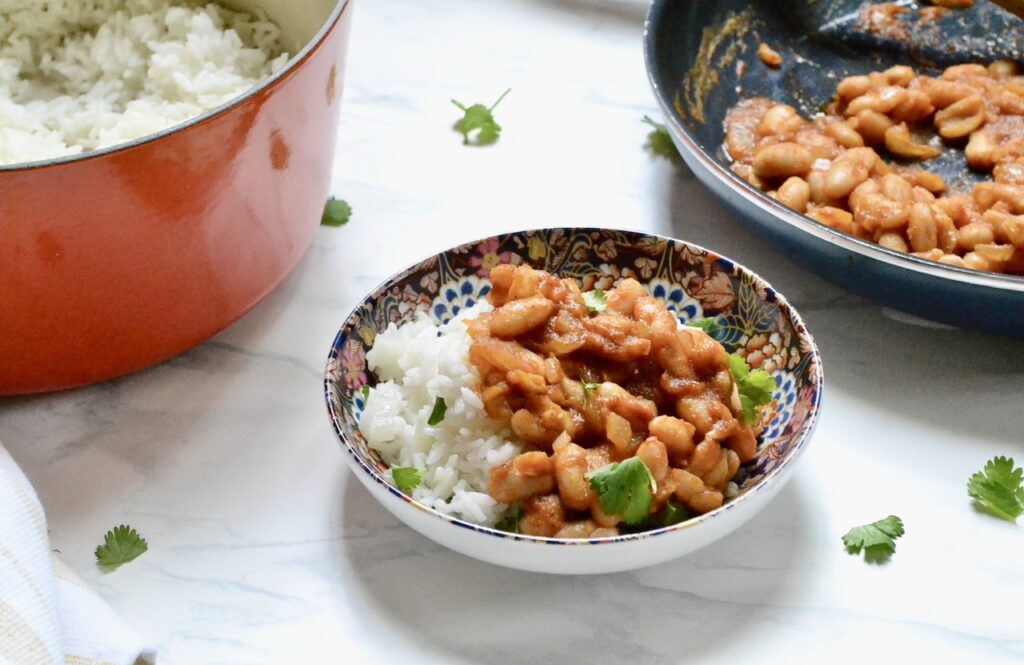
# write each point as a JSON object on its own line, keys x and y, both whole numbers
{"x": 365, "y": 392}
{"x": 624, "y": 488}
{"x": 120, "y": 545}
{"x": 659, "y": 142}
{"x": 480, "y": 119}
{"x": 755, "y": 387}
{"x": 998, "y": 488}
{"x": 437, "y": 415}
{"x": 878, "y": 539}
{"x": 595, "y": 300}
{"x": 510, "y": 522}
{"x": 588, "y": 388}
{"x": 710, "y": 326}
{"x": 673, "y": 513}
{"x": 407, "y": 478}
{"x": 336, "y": 212}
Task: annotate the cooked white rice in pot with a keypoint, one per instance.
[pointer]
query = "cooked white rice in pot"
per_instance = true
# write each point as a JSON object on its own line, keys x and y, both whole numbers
{"x": 416, "y": 363}
{"x": 77, "y": 75}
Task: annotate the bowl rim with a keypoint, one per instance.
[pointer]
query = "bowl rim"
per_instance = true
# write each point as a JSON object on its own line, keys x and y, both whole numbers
{"x": 807, "y": 428}
{"x": 761, "y": 200}
{"x": 293, "y": 63}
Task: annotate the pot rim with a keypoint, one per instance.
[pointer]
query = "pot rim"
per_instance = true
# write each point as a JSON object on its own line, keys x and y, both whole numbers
{"x": 293, "y": 63}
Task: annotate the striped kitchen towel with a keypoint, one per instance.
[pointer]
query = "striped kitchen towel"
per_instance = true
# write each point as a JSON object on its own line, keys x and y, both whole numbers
{"x": 47, "y": 615}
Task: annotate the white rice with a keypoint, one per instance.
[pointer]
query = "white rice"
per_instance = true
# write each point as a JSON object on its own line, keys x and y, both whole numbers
{"x": 416, "y": 363}
{"x": 77, "y": 75}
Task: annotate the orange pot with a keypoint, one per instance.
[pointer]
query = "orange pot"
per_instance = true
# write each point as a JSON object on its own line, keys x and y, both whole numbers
{"x": 117, "y": 259}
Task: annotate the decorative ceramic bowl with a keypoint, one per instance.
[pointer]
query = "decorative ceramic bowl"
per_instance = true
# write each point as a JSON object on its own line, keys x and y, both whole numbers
{"x": 753, "y": 319}
{"x": 116, "y": 259}
{"x": 694, "y": 50}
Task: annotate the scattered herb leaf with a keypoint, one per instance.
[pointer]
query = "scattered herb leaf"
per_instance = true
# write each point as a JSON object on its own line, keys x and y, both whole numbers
{"x": 878, "y": 539}
{"x": 595, "y": 300}
{"x": 407, "y": 478}
{"x": 659, "y": 142}
{"x": 998, "y": 488}
{"x": 755, "y": 387}
{"x": 510, "y": 522}
{"x": 588, "y": 388}
{"x": 120, "y": 545}
{"x": 437, "y": 415}
{"x": 365, "y": 392}
{"x": 480, "y": 119}
{"x": 336, "y": 212}
{"x": 710, "y": 326}
{"x": 624, "y": 488}
{"x": 673, "y": 513}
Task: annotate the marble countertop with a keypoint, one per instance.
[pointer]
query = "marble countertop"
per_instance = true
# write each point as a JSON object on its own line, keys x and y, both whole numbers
{"x": 265, "y": 549}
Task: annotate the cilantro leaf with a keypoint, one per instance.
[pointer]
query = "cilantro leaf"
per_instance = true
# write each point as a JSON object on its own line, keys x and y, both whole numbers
{"x": 673, "y": 513}
{"x": 659, "y": 141}
{"x": 588, "y": 388}
{"x": 755, "y": 387}
{"x": 336, "y": 212}
{"x": 878, "y": 539}
{"x": 595, "y": 300}
{"x": 120, "y": 545}
{"x": 365, "y": 392}
{"x": 407, "y": 478}
{"x": 510, "y": 522}
{"x": 624, "y": 488}
{"x": 710, "y": 326}
{"x": 480, "y": 119}
{"x": 998, "y": 488}
{"x": 437, "y": 415}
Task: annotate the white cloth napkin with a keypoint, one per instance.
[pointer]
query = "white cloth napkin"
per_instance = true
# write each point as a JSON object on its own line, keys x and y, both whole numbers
{"x": 47, "y": 615}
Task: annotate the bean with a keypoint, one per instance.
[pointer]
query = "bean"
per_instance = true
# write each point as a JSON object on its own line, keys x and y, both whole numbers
{"x": 847, "y": 172}
{"x": 993, "y": 252}
{"x": 960, "y": 118}
{"x": 899, "y": 143}
{"x": 893, "y": 241}
{"x": 873, "y": 125}
{"x": 1001, "y": 69}
{"x": 975, "y": 234}
{"x": 779, "y": 119}
{"x": 921, "y": 230}
{"x": 782, "y": 160}
{"x": 975, "y": 261}
{"x": 952, "y": 260}
{"x": 853, "y": 86}
{"x": 676, "y": 434}
{"x": 795, "y": 193}
{"x": 844, "y": 134}
{"x": 835, "y": 218}
{"x": 896, "y": 188}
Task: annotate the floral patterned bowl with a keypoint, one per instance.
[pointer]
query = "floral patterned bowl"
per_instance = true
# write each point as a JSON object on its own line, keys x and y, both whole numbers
{"x": 753, "y": 320}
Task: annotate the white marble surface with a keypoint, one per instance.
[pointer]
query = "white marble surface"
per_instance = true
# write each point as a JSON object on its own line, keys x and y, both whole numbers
{"x": 263, "y": 547}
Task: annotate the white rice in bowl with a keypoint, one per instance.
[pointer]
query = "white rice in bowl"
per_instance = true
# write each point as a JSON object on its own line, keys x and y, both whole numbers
{"x": 77, "y": 75}
{"x": 416, "y": 363}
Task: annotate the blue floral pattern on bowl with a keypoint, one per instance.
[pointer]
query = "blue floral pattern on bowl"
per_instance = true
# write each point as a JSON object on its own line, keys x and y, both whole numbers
{"x": 781, "y": 408}
{"x": 676, "y": 299}
{"x": 458, "y": 295}
{"x": 752, "y": 320}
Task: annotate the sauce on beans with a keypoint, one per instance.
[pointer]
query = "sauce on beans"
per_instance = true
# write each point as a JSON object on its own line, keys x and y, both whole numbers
{"x": 830, "y": 168}
{"x": 589, "y": 386}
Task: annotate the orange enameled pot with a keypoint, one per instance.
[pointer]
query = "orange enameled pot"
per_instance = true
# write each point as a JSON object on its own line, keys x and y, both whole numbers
{"x": 117, "y": 259}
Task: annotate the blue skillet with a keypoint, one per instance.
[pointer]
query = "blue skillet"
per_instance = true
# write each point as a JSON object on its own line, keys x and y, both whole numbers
{"x": 701, "y": 59}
